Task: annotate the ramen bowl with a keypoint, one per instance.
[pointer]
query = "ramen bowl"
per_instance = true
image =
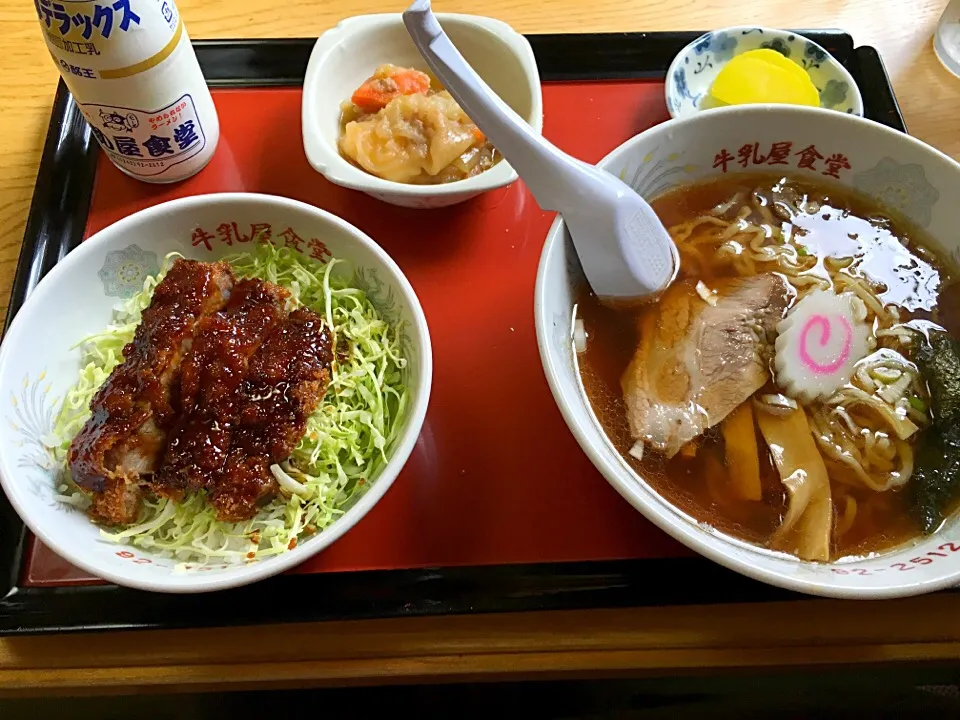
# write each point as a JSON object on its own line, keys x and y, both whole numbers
{"x": 345, "y": 56}
{"x": 78, "y": 298}
{"x": 894, "y": 170}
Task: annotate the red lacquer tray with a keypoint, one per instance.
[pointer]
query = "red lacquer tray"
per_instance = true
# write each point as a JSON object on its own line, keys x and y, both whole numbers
{"x": 497, "y": 508}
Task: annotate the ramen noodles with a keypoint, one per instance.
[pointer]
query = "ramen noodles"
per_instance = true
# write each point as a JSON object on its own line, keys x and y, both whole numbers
{"x": 798, "y": 386}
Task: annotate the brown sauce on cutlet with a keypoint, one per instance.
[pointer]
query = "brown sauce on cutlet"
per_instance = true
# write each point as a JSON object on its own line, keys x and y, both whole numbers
{"x": 212, "y": 374}
{"x": 143, "y": 386}
{"x": 285, "y": 382}
{"x": 218, "y": 386}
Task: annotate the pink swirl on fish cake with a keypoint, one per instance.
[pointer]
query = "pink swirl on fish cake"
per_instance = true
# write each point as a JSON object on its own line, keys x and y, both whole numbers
{"x": 823, "y": 322}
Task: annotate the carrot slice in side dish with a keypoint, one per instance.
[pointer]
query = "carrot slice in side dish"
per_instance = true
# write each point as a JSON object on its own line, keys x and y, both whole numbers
{"x": 377, "y": 92}
{"x": 411, "y": 82}
{"x": 743, "y": 462}
{"x": 478, "y": 134}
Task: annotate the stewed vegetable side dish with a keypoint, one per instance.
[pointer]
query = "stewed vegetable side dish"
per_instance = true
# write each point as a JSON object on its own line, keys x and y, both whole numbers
{"x": 798, "y": 386}
{"x": 401, "y": 125}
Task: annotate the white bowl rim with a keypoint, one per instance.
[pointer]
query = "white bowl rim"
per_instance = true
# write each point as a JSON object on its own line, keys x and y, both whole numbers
{"x": 329, "y": 163}
{"x": 205, "y": 582}
{"x": 690, "y": 534}
{"x": 858, "y": 108}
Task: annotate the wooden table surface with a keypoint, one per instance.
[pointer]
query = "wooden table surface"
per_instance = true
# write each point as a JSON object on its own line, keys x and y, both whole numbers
{"x": 652, "y": 640}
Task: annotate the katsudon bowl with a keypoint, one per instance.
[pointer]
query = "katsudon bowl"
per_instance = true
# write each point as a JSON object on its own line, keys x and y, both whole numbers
{"x": 895, "y": 176}
{"x": 40, "y": 361}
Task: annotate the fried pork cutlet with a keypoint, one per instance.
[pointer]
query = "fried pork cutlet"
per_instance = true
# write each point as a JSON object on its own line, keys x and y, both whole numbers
{"x": 209, "y": 385}
{"x": 135, "y": 408}
{"x": 285, "y": 382}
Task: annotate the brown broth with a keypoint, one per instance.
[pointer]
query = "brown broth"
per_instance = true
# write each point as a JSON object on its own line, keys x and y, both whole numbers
{"x": 845, "y": 225}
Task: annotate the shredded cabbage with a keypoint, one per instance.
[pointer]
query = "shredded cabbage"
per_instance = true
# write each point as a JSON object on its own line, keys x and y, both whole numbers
{"x": 347, "y": 439}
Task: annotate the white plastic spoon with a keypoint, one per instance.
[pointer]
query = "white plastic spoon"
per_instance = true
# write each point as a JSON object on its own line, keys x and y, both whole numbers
{"x": 625, "y": 251}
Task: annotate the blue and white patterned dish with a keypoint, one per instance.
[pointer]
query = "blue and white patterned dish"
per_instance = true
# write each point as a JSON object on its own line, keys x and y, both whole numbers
{"x": 696, "y": 67}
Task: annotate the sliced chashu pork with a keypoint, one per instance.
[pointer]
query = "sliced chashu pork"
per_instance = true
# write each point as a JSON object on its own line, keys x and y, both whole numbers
{"x": 697, "y": 362}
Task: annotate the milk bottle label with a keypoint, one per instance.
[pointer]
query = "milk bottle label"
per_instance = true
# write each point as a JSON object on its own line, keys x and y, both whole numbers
{"x": 148, "y": 143}
{"x": 133, "y": 73}
{"x": 109, "y": 39}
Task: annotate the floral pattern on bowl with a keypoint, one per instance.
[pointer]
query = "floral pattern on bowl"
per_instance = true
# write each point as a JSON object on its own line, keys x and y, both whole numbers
{"x": 696, "y": 67}
{"x": 654, "y": 174}
{"x": 124, "y": 271}
{"x": 903, "y": 188}
{"x": 33, "y": 418}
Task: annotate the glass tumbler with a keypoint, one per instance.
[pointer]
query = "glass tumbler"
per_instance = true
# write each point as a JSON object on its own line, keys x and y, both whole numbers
{"x": 946, "y": 41}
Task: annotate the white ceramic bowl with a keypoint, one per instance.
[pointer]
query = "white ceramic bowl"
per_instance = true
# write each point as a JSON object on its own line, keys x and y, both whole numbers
{"x": 694, "y": 69}
{"x": 348, "y": 54}
{"x": 901, "y": 172}
{"x": 38, "y": 363}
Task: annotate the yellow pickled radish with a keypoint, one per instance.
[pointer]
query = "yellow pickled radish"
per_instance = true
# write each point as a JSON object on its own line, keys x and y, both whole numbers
{"x": 775, "y": 58}
{"x": 751, "y": 79}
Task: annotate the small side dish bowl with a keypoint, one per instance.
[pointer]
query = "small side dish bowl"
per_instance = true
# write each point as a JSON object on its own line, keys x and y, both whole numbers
{"x": 694, "y": 69}
{"x": 40, "y": 361}
{"x": 348, "y": 54}
{"x": 893, "y": 169}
